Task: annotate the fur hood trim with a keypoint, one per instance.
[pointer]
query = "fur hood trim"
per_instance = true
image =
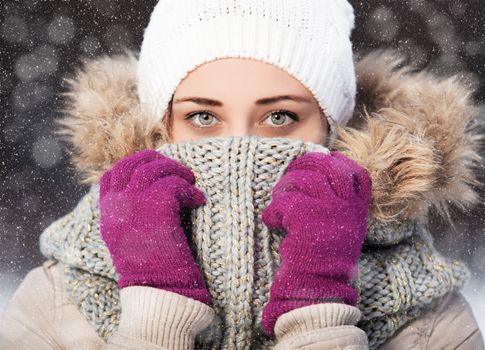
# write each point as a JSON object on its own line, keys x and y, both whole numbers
{"x": 416, "y": 134}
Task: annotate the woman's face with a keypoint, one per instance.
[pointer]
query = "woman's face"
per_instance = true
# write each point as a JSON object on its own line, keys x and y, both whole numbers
{"x": 239, "y": 97}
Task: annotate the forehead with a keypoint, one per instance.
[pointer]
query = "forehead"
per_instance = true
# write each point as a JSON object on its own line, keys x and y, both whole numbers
{"x": 240, "y": 74}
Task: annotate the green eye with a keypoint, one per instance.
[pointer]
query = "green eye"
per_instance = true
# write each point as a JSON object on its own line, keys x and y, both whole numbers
{"x": 279, "y": 118}
{"x": 204, "y": 122}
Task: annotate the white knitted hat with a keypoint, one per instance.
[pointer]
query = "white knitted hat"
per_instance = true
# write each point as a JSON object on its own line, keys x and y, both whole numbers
{"x": 309, "y": 39}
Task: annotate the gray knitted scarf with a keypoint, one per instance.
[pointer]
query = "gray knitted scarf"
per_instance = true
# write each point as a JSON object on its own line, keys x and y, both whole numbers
{"x": 400, "y": 271}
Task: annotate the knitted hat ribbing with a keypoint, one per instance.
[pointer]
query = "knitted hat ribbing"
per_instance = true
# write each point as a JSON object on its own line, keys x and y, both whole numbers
{"x": 309, "y": 39}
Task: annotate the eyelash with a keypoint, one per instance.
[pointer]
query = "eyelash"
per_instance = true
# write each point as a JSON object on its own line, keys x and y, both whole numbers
{"x": 292, "y": 115}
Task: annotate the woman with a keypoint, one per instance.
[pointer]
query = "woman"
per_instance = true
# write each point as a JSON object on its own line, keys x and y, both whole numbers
{"x": 406, "y": 293}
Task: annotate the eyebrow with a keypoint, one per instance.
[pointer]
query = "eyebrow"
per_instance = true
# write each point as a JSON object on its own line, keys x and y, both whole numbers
{"x": 263, "y": 101}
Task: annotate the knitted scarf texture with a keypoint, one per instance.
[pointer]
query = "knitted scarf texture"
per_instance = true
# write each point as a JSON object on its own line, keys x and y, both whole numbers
{"x": 400, "y": 272}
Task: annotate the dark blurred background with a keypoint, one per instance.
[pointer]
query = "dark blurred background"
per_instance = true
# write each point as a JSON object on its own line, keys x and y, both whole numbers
{"x": 42, "y": 41}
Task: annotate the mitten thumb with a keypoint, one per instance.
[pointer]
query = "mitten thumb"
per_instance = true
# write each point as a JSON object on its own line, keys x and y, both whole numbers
{"x": 272, "y": 215}
{"x": 190, "y": 196}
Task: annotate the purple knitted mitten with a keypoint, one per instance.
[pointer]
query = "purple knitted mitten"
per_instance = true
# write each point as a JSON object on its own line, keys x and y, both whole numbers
{"x": 140, "y": 202}
{"x": 322, "y": 202}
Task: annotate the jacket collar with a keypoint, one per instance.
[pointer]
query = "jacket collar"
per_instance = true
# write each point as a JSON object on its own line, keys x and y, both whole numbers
{"x": 415, "y": 133}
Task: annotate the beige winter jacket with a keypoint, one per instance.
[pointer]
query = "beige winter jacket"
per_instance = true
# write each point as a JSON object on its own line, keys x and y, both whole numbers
{"x": 40, "y": 316}
{"x": 410, "y": 131}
